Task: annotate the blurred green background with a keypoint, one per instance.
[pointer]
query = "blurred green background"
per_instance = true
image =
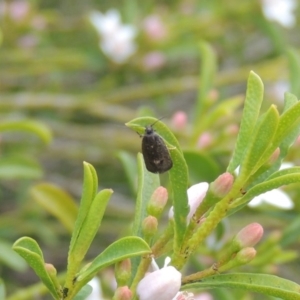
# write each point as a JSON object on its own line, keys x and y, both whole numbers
{"x": 63, "y": 100}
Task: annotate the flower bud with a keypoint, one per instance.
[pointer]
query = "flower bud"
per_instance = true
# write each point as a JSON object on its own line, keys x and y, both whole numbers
{"x": 157, "y": 202}
{"x": 184, "y": 296}
{"x": 205, "y": 140}
{"x": 50, "y": 269}
{"x": 245, "y": 255}
{"x": 149, "y": 226}
{"x": 222, "y": 185}
{"x": 249, "y": 236}
{"x": 123, "y": 293}
{"x": 274, "y": 156}
{"x": 123, "y": 272}
{"x": 179, "y": 120}
{"x": 161, "y": 284}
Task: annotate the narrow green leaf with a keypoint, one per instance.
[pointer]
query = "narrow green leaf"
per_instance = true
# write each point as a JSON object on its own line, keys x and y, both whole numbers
{"x": 121, "y": 249}
{"x": 90, "y": 186}
{"x": 147, "y": 184}
{"x": 37, "y": 128}
{"x": 17, "y": 166}
{"x": 267, "y": 186}
{"x": 57, "y": 202}
{"x": 265, "y": 171}
{"x": 294, "y": 68}
{"x": 29, "y": 249}
{"x": 90, "y": 225}
{"x": 207, "y": 76}
{"x": 259, "y": 142}
{"x": 254, "y": 98}
{"x": 260, "y": 283}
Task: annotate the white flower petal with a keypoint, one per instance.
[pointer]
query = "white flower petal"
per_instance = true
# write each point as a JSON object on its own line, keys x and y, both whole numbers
{"x": 97, "y": 292}
{"x": 196, "y": 194}
{"x": 280, "y": 11}
{"x": 274, "y": 197}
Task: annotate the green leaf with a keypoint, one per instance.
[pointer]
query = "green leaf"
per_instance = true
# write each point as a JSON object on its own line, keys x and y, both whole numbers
{"x": 29, "y": 249}
{"x": 266, "y": 170}
{"x": 57, "y": 202}
{"x": 90, "y": 186}
{"x": 254, "y": 98}
{"x": 17, "y": 166}
{"x": 260, "y": 283}
{"x": 294, "y": 68}
{"x": 259, "y": 143}
{"x": 89, "y": 228}
{"x": 265, "y": 186}
{"x": 37, "y": 128}
{"x": 147, "y": 184}
{"x": 207, "y": 75}
{"x": 121, "y": 249}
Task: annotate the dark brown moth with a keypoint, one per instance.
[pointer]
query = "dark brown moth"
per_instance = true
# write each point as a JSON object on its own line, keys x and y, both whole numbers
{"x": 156, "y": 154}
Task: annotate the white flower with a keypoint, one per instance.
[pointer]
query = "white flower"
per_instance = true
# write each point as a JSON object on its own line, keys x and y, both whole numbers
{"x": 280, "y": 11}
{"x": 116, "y": 38}
{"x": 97, "y": 292}
{"x": 196, "y": 194}
{"x": 274, "y": 197}
{"x": 162, "y": 284}
{"x": 184, "y": 296}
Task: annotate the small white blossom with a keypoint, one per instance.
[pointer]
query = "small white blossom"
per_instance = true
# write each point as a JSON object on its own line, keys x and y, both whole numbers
{"x": 196, "y": 194}
{"x": 184, "y": 296}
{"x": 281, "y": 11}
{"x": 116, "y": 38}
{"x": 162, "y": 284}
{"x": 97, "y": 292}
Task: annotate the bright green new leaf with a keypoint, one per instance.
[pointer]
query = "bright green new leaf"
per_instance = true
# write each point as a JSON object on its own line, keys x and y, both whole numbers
{"x": 121, "y": 249}
{"x": 57, "y": 202}
{"x": 89, "y": 191}
{"x": 254, "y": 98}
{"x": 31, "y": 252}
{"x": 147, "y": 184}
{"x": 260, "y": 283}
{"x": 259, "y": 142}
{"x": 37, "y": 128}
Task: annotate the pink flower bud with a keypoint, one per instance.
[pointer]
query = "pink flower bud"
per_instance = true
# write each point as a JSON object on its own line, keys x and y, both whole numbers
{"x": 123, "y": 271}
{"x": 205, "y": 140}
{"x": 184, "y": 296}
{"x": 149, "y": 226}
{"x": 274, "y": 156}
{"x": 250, "y": 235}
{"x": 155, "y": 28}
{"x": 50, "y": 269}
{"x": 222, "y": 185}
{"x": 157, "y": 202}
{"x": 123, "y": 293}
{"x": 161, "y": 284}
{"x": 245, "y": 255}
{"x": 179, "y": 120}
